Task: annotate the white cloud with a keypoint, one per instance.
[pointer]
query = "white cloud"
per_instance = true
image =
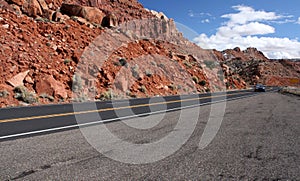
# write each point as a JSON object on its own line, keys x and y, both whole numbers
{"x": 248, "y": 14}
{"x": 242, "y": 29}
{"x": 298, "y": 22}
{"x": 192, "y": 14}
{"x": 205, "y": 21}
{"x": 253, "y": 28}
{"x": 284, "y": 21}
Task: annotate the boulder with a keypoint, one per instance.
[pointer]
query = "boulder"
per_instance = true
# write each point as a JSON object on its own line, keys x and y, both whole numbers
{"x": 81, "y": 21}
{"x": 18, "y": 79}
{"x": 57, "y": 16}
{"x": 121, "y": 83}
{"x": 48, "y": 14}
{"x": 48, "y": 85}
{"x": 110, "y": 20}
{"x": 91, "y": 14}
{"x": 6, "y": 26}
{"x": 43, "y": 5}
{"x": 71, "y": 9}
{"x": 32, "y": 8}
{"x": 29, "y": 80}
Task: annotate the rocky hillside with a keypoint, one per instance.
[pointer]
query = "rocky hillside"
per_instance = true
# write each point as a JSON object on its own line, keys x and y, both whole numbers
{"x": 254, "y": 67}
{"x": 74, "y": 50}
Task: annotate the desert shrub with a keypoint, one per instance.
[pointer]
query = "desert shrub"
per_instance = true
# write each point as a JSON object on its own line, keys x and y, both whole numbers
{"x": 143, "y": 89}
{"x": 135, "y": 71}
{"x": 77, "y": 83}
{"x": 107, "y": 95}
{"x": 185, "y": 89}
{"x": 4, "y": 93}
{"x": 161, "y": 65}
{"x": 45, "y": 20}
{"x": 210, "y": 64}
{"x": 227, "y": 84}
{"x": 230, "y": 85}
{"x": 118, "y": 64}
{"x": 46, "y": 96}
{"x": 148, "y": 73}
{"x": 81, "y": 98}
{"x": 221, "y": 74}
{"x": 74, "y": 18}
{"x": 128, "y": 92}
{"x": 172, "y": 87}
{"x": 202, "y": 83}
{"x": 154, "y": 64}
{"x": 22, "y": 94}
{"x": 123, "y": 61}
{"x": 66, "y": 61}
{"x": 195, "y": 79}
{"x": 207, "y": 89}
{"x": 200, "y": 66}
{"x": 48, "y": 44}
{"x": 187, "y": 64}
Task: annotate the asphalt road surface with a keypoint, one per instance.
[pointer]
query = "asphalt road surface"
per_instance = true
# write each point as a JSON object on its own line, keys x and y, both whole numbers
{"x": 27, "y": 121}
{"x": 258, "y": 140}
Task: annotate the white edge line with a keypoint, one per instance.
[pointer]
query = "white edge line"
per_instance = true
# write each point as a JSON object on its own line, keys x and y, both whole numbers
{"x": 115, "y": 119}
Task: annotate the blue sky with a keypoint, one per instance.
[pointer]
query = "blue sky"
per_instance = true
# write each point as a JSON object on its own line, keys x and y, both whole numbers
{"x": 271, "y": 26}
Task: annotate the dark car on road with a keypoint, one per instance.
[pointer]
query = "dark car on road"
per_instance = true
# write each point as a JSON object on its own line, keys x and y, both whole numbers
{"x": 259, "y": 88}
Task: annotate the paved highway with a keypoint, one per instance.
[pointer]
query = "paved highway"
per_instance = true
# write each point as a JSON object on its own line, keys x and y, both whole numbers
{"x": 258, "y": 140}
{"x": 27, "y": 121}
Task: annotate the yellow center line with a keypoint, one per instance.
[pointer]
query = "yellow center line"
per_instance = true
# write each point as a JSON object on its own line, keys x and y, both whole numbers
{"x": 110, "y": 109}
